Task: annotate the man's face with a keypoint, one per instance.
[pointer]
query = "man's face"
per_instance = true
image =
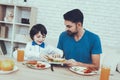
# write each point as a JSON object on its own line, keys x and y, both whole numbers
{"x": 71, "y": 28}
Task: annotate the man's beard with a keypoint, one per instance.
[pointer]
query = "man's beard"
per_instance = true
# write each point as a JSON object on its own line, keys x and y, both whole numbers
{"x": 71, "y": 33}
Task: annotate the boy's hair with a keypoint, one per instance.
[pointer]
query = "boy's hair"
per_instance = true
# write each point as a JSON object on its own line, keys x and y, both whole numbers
{"x": 74, "y": 15}
{"x": 38, "y": 28}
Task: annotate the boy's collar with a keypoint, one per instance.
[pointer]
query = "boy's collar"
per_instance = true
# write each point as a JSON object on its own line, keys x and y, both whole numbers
{"x": 41, "y": 45}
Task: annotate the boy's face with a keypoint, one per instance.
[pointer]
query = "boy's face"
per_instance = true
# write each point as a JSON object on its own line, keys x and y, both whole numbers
{"x": 39, "y": 38}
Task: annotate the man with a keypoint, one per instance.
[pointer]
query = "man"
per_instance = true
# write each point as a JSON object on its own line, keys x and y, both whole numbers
{"x": 80, "y": 46}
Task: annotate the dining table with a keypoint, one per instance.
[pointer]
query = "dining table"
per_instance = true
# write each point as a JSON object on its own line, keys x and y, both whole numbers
{"x": 59, "y": 73}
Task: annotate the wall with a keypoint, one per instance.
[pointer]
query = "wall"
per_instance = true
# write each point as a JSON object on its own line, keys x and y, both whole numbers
{"x": 101, "y": 17}
{"x": 110, "y": 57}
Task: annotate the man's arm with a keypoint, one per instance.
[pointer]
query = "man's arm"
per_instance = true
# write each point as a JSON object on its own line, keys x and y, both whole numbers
{"x": 94, "y": 66}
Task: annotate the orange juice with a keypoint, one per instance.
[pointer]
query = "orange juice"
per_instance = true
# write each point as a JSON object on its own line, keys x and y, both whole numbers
{"x": 20, "y": 55}
{"x": 105, "y": 72}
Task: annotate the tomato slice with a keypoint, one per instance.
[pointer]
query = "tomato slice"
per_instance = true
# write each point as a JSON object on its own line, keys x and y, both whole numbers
{"x": 39, "y": 65}
{"x": 87, "y": 71}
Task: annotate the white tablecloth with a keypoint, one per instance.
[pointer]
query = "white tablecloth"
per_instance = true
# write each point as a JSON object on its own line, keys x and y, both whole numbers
{"x": 59, "y": 73}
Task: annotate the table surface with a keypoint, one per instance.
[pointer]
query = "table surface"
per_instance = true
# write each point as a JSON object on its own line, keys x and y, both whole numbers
{"x": 59, "y": 73}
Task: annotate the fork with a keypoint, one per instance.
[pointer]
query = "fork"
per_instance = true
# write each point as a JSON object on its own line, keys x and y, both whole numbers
{"x": 52, "y": 67}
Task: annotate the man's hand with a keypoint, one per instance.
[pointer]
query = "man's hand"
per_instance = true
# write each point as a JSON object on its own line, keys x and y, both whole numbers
{"x": 70, "y": 62}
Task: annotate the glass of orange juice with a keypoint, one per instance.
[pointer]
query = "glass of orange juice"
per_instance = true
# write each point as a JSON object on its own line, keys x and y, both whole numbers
{"x": 20, "y": 55}
{"x": 105, "y": 73}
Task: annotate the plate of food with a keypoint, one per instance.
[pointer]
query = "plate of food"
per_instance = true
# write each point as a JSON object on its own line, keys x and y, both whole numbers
{"x": 37, "y": 64}
{"x": 7, "y": 66}
{"x": 82, "y": 70}
{"x": 9, "y": 71}
{"x": 55, "y": 60}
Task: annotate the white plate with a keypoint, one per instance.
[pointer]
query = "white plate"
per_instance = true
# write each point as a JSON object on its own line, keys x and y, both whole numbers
{"x": 80, "y": 70}
{"x": 47, "y": 65}
{"x": 7, "y": 72}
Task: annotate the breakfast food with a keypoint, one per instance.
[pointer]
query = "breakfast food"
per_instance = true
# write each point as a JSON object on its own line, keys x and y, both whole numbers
{"x": 33, "y": 62}
{"x": 58, "y": 60}
{"x": 82, "y": 70}
{"x": 50, "y": 59}
{"x": 87, "y": 71}
{"x": 6, "y": 65}
{"x": 40, "y": 65}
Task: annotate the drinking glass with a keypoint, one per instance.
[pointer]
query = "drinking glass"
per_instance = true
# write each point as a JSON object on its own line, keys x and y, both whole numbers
{"x": 20, "y": 55}
{"x": 105, "y": 72}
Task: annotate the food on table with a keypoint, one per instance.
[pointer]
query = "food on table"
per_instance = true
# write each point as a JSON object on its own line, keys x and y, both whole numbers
{"x": 49, "y": 58}
{"x": 40, "y": 65}
{"x": 7, "y": 65}
{"x": 75, "y": 68}
{"x": 33, "y": 62}
{"x": 58, "y": 60}
{"x": 87, "y": 70}
{"x": 55, "y": 59}
{"x": 11, "y": 61}
{"x": 82, "y": 69}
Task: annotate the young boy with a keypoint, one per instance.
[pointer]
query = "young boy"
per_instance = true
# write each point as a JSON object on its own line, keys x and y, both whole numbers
{"x": 37, "y": 48}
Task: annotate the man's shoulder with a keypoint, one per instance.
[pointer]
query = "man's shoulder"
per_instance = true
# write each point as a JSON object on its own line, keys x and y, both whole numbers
{"x": 91, "y": 34}
{"x": 63, "y": 34}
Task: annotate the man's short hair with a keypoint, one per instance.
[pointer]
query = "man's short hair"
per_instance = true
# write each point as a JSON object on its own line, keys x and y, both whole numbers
{"x": 74, "y": 15}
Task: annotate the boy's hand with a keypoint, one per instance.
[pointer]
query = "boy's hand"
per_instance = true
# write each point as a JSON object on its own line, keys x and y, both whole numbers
{"x": 55, "y": 55}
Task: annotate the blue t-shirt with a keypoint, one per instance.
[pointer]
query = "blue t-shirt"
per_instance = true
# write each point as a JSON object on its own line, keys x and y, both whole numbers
{"x": 82, "y": 49}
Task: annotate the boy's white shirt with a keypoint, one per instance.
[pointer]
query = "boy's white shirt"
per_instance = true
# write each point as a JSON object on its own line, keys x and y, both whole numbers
{"x": 35, "y": 51}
